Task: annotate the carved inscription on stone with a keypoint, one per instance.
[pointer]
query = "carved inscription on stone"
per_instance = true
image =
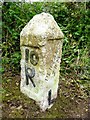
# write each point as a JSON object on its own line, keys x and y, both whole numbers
{"x": 30, "y": 73}
{"x": 34, "y": 57}
{"x": 41, "y": 48}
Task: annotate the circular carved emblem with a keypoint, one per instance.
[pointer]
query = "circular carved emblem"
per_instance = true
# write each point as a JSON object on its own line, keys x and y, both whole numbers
{"x": 34, "y": 57}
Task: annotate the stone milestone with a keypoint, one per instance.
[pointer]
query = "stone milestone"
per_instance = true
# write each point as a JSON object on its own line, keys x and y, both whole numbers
{"x": 41, "y": 48}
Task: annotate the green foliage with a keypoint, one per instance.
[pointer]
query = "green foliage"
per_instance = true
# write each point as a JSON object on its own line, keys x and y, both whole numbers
{"x": 73, "y": 19}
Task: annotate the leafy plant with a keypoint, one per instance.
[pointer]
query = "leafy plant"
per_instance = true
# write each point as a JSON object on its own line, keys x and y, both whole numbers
{"x": 73, "y": 19}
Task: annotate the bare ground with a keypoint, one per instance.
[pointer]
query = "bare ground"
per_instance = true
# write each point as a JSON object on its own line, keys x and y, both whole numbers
{"x": 72, "y": 101}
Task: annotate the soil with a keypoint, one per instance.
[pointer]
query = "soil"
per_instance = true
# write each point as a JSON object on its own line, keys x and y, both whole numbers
{"x": 72, "y": 101}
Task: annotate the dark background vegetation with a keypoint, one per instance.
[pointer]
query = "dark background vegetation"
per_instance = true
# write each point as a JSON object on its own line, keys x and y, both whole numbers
{"x": 74, "y": 21}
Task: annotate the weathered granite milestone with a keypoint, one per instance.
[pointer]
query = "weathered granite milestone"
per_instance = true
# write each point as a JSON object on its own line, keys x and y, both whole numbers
{"x": 41, "y": 48}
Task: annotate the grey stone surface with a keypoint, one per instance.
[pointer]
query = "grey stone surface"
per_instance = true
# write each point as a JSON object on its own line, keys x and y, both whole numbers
{"x": 41, "y": 48}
